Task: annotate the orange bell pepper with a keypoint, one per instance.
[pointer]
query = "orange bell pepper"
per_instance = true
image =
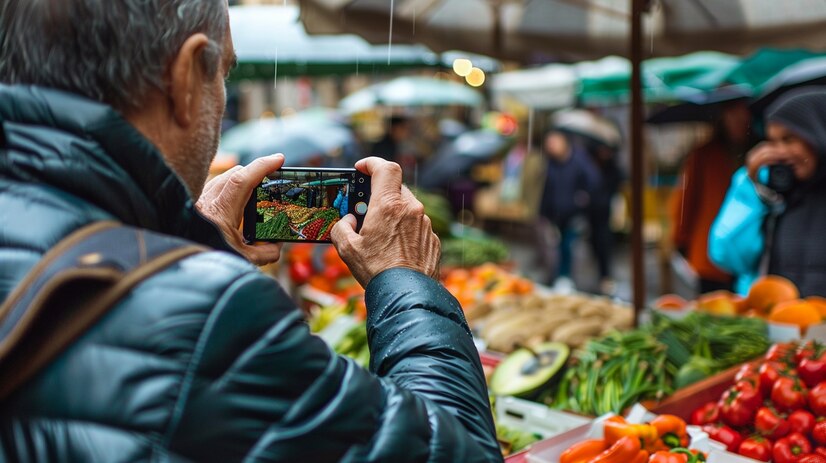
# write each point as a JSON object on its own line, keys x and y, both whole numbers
{"x": 584, "y": 451}
{"x": 616, "y": 427}
{"x": 626, "y": 449}
{"x": 664, "y": 456}
{"x": 671, "y": 431}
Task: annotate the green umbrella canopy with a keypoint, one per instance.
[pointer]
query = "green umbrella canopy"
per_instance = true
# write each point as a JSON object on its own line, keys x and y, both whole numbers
{"x": 606, "y": 82}
{"x": 329, "y": 181}
{"x": 758, "y": 68}
{"x": 266, "y": 35}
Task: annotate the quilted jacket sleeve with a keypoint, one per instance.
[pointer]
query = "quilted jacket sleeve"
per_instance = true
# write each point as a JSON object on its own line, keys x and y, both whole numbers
{"x": 262, "y": 388}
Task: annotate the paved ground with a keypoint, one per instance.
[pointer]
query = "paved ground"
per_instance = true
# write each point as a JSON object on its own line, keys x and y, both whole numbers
{"x": 533, "y": 260}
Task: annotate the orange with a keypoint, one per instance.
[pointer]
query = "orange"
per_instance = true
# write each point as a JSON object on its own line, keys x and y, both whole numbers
{"x": 717, "y": 303}
{"x": 795, "y": 312}
{"x": 819, "y": 303}
{"x": 770, "y": 290}
{"x": 670, "y": 302}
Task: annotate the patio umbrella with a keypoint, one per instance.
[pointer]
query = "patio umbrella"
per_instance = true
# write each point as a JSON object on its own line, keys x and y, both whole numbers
{"x": 264, "y": 35}
{"x": 589, "y": 125}
{"x": 411, "y": 91}
{"x": 527, "y": 30}
{"x": 301, "y": 137}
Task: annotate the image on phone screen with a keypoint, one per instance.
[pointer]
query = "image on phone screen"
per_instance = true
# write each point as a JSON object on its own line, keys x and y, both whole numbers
{"x": 303, "y": 204}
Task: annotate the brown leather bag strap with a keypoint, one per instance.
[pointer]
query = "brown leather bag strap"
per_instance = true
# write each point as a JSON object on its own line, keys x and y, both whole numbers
{"x": 72, "y": 286}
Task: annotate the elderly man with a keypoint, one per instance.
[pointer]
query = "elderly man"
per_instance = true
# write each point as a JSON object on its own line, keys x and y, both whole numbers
{"x": 110, "y": 110}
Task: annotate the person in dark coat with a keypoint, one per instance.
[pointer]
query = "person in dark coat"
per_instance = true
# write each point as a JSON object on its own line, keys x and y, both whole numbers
{"x": 398, "y": 130}
{"x": 796, "y": 137}
{"x": 570, "y": 182}
{"x": 209, "y": 359}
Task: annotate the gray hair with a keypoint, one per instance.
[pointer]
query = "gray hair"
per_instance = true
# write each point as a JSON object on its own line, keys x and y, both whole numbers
{"x": 113, "y": 51}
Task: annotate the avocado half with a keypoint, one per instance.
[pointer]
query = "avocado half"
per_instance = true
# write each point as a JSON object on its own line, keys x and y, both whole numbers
{"x": 525, "y": 371}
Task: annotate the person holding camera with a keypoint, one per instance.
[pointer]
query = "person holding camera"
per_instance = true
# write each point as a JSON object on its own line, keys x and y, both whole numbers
{"x": 110, "y": 114}
{"x": 777, "y": 203}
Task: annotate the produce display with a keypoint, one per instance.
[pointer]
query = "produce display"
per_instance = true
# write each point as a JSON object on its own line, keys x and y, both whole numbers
{"x": 321, "y": 268}
{"x": 526, "y": 371}
{"x": 354, "y": 345}
{"x": 663, "y": 440}
{"x": 525, "y": 318}
{"x": 472, "y": 251}
{"x": 479, "y": 285}
{"x": 513, "y": 440}
{"x": 774, "y": 411}
{"x": 771, "y": 297}
{"x": 285, "y": 220}
{"x": 615, "y": 371}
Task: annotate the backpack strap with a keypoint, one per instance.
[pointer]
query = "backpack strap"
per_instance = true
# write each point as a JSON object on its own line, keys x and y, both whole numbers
{"x": 74, "y": 284}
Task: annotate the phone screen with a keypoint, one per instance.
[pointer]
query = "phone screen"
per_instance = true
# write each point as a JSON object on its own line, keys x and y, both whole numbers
{"x": 303, "y": 204}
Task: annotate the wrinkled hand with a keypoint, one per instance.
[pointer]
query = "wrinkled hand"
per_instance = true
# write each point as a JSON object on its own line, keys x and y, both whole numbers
{"x": 395, "y": 233}
{"x": 224, "y": 199}
{"x": 763, "y": 154}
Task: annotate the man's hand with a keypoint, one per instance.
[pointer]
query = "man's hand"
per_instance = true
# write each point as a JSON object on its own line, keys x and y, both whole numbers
{"x": 224, "y": 199}
{"x": 395, "y": 233}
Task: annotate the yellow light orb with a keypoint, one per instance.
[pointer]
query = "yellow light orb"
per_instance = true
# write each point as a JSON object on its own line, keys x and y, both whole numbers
{"x": 462, "y": 66}
{"x": 476, "y": 77}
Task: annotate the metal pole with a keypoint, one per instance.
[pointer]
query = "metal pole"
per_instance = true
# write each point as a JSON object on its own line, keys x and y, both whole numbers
{"x": 637, "y": 161}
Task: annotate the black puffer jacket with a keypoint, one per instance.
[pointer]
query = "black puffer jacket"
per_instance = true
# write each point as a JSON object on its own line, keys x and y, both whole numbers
{"x": 209, "y": 360}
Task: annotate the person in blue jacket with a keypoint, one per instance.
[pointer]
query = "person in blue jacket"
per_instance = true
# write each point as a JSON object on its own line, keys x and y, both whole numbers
{"x": 111, "y": 111}
{"x": 776, "y": 206}
{"x": 342, "y": 202}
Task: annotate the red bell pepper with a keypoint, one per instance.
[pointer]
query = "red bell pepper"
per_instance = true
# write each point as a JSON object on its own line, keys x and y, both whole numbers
{"x": 801, "y": 421}
{"x": 819, "y": 432}
{"x": 756, "y": 447}
{"x": 739, "y": 404}
{"x": 705, "y": 414}
{"x": 789, "y": 394}
{"x": 821, "y": 451}
{"x": 791, "y": 448}
{"x": 812, "y": 367}
{"x": 770, "y": 424}
{"x": 817, "y": 399}
{"x": 724, "y": 435}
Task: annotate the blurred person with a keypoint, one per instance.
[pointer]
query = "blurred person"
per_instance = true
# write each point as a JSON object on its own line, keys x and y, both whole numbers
{"x": 389, "y": 146}
{"x": 599, "y": 212}
{"x": 704, "y": 178}
{"x": 569, "y": 184}
{"x": 208, "y": 359}
{"x": 775, "y": 209}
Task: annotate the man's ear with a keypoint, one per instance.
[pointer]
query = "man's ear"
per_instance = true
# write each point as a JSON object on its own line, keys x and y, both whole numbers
{"x": 186, "y": 79}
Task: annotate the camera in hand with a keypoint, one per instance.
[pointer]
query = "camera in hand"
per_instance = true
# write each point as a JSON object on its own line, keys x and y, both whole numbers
{"x": 781, "y": 178}
{"x": 304, "y": 203}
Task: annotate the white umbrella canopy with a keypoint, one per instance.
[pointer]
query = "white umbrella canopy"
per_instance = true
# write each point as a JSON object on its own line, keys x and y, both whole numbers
{"x": 411, "y": 91}
{"x": 573, "y": 29}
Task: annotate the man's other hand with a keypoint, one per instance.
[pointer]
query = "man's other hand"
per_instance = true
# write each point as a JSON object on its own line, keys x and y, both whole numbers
{"x": 395, "y": 233}
{"x": 224, "y": 199}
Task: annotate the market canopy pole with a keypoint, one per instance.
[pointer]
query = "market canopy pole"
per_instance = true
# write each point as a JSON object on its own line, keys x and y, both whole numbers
{"x": 637, "y": 161}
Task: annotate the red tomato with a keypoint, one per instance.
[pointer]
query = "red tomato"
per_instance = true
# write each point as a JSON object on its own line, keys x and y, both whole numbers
{"x": 300, "y": 271}
{"x": 790, "y": 448}
{"x": 812, "y": 365}
{"x": 819, "y": 432}
{"x": 705, "y": 414}
{"x": 789, "y": 394}
{"x": 812, "y": 458}
{"x": 817, "y": 399}
{"x": 770, "y": 424}
{"x": 756, "y": 447}
{"x": 724, "y": 435}
{"x": 801, "y": 421}
{"x": 769, "y": 373}
{"x": 782, "y": 352}
{"x": 739, "y": 404}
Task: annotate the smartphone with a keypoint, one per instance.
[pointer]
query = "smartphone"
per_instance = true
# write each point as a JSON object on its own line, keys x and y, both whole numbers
{"x": 303, "y": 203}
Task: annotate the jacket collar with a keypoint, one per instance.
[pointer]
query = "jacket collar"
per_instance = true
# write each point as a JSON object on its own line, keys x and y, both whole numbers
{"x": 88, "y": 150}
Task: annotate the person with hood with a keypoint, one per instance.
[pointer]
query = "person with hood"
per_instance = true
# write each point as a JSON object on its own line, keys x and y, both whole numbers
{"x": 570, "y": 181}
{"x": 704, "y": 178}
{"x": 776, "y": 208}
{"x": 110, "y": 112}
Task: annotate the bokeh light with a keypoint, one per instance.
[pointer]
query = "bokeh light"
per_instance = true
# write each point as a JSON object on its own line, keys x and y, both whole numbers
{"x": 476, "y": 77}
{"x": 462, "y": 66}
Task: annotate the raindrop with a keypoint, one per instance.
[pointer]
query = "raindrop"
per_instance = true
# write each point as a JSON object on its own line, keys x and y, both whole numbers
{"x": 414, "y": 21}
{"x": 390, "y": 38}
{"x": 530, "y": 130}
{"x": 275, "y": 75}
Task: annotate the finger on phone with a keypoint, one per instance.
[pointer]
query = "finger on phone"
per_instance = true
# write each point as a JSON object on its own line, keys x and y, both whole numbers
{"x": 241, "y": 182}
{"x": 385, "y": 177}
{"x": 344, "y": 229}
